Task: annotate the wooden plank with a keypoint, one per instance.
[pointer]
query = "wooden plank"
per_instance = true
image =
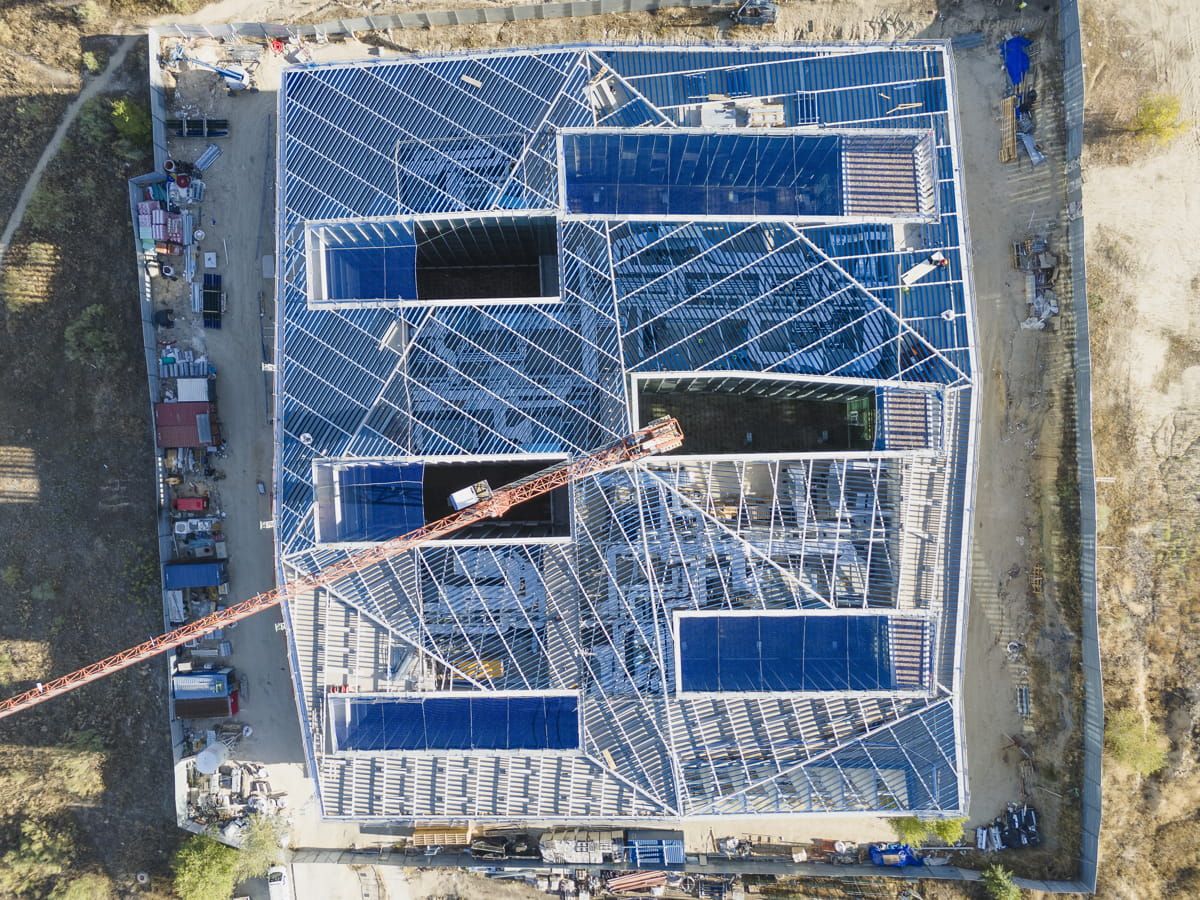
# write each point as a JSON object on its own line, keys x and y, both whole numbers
{"x": 1008, "y": 125}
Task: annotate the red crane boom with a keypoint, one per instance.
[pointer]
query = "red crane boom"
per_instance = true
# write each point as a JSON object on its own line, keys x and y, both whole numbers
{"x": 660, "y": 436}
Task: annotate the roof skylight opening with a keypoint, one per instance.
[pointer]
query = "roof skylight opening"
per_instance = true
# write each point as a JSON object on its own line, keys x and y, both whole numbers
{"x": 478, "y": 259}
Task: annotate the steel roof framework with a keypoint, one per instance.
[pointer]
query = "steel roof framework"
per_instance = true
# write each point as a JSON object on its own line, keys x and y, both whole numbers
{"x": 815, "y": 304}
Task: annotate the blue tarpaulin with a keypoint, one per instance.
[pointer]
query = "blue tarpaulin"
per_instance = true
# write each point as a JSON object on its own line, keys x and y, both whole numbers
{"x": 1016, "y": 60}
{"x": 379, "y": 501}
{"x": 468, "y": 722}
{"x": 700, "y": 174}
{"x": 895, "y": 855}
{"x": 784, "y": 653}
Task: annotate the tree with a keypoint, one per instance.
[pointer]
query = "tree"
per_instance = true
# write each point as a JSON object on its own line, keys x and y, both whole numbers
{"x": 204, "y": 869}
{"x": 1158, "y": 118}
{"x": 260, "y": 847}
{"x": 998, "y": 882}
{"x": 909, "y": 829}
{"x": 948, "y": 831}
{"x": 1133, "y": 742}
{"x": 90, "y": 339}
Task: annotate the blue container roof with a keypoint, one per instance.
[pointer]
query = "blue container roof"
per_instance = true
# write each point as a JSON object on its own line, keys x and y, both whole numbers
{"x": 190, "y": 573}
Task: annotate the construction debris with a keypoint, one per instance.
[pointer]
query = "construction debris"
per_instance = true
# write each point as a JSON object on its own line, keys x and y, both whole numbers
{"x": 1016, "y": 109}
{"x": 930, "y": 264}
{"x": 1033, "y": 257}
{"x": 221, "y": 792}
{"x": 1017, "y": 828}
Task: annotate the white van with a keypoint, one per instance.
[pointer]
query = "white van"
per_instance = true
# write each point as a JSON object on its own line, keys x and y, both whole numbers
{"x": 277, "y": 884}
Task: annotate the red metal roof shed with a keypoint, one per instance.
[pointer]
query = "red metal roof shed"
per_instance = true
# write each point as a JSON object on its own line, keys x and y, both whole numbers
{"x": 186, "y": 425}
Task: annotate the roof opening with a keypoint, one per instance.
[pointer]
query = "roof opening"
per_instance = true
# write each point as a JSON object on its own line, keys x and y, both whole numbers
{"x": 801, "y": 652}
{"x": 518, "y": 721}
{"x": 722, "y": 414}
{"x": 371, "y": 501}
{"x": 684, "y": 173}
{"x": 471, "y": 259}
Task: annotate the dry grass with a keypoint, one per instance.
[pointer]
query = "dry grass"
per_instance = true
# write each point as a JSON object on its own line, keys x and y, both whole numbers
{"x": 28, "y": 270}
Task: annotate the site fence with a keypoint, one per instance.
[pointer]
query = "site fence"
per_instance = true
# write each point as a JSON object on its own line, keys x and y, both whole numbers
{"x": 1093, "y": 683}
{"x": 490, "y": 15}
{"x": 166, "y": 548}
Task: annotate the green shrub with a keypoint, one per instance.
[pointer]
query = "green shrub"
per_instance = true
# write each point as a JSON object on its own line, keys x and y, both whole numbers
{"x": 260, "y": 846}
{"x": 1158, "y": 118}
{"x": 94, "y": 126}
{"x": 91, "y": 340}
{"x": 89, "y": 13}
{"x": 909, "y": 829}
{"x": 85, "y": 887}
{"x": 91, "y": 62}
{"x": 1134, "y": 743}
{"x": 132, "y": 121}
{"x": 45, "y": 212}
{"x": 204, "y": 869}
{"x": 40, "y": 853}
{"x": 998, "y": 882}
{"x": 948, "y": 831}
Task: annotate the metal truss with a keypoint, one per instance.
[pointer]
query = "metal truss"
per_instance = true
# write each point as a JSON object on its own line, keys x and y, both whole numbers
{"x": 787, "y": 305}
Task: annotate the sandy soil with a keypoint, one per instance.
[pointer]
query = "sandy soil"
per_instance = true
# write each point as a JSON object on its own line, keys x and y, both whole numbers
{"x": 1142, "y": 219}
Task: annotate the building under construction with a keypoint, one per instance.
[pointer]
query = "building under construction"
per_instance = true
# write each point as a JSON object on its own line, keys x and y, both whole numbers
{"x": 492, "y": 261}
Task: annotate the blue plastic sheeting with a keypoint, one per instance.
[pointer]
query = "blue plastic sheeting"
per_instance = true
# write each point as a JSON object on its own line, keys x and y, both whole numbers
{"x": 187, "y": 574}
{"x": 691, "y": 174}
{"x": 895, "y": 855}
{"x": 784, "y": 653}
{"x": 1016, "y": 60}
{"x": 371, "y": 273}
{"x": 534, "y": 722}
{"x": 377, "y": 502}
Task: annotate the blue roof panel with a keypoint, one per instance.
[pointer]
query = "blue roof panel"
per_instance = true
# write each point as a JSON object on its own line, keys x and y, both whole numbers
{"x": 781, "y": 654}
{"x": 690, "y": 174}
{"x": 468, "y": 722}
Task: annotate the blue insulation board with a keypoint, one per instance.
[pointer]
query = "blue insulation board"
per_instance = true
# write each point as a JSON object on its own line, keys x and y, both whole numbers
{"x": 459, "y": 723}
{"x": 784, "y": 653}
{"x": 691, "y": 174}
{"x": 381, "y": 501}
{"x": 373, "y": 269}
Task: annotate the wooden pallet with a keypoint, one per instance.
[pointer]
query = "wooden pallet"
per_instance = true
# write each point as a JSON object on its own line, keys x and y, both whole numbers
{"x": 1008, "y": 125}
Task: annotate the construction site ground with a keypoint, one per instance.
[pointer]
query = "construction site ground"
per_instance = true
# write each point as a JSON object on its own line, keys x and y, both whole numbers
{"x": 1021, "y": 400}
{"x": 1023, "y": 375}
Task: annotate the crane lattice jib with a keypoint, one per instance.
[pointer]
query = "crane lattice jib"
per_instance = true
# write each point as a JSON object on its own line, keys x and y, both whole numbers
{"x": 660, "y": 436}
